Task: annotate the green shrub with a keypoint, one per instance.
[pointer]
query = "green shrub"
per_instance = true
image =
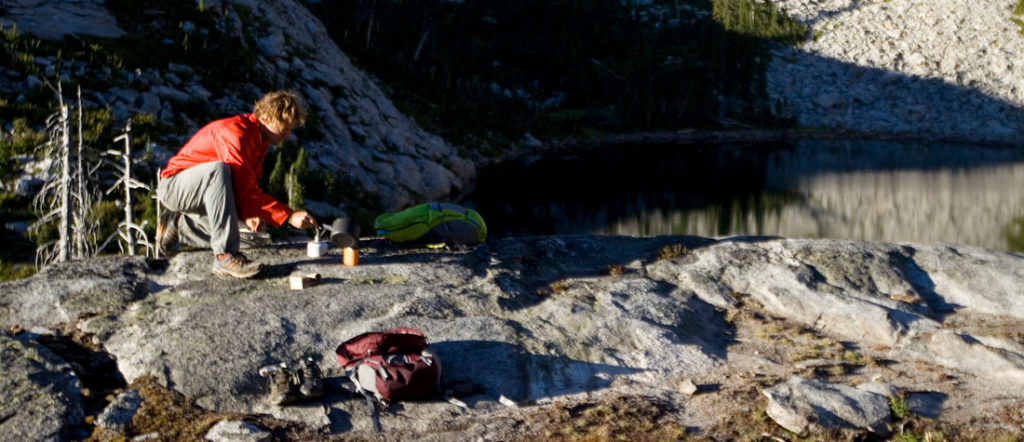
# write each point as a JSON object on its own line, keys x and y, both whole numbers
{"x": 1018, "y": 9}
{"x": 1019, "y": 23}
{"x": 899, "y": 407}
{"x": 762, "y": 20}
{"x": 44, "y": 234}
{"x": 21, "y": 140}
{"x": 1013, "y": 233}
{"x": 16, "y": 247}
{"x": 146, "y": 212}
{"x": 10, "y": 272}
{"x": 108, "y": 214}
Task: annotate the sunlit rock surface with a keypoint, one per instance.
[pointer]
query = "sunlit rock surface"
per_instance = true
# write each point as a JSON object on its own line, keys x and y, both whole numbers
{"x": 935, "y": 69}
{"x": 567, "y": 317}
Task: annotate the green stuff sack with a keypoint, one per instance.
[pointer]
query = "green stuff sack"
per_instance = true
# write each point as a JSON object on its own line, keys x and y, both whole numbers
{"x": 435, "y": 224}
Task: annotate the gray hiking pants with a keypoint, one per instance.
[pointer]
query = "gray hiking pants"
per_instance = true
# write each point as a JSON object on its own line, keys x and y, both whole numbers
{"x": 206, "y": 199}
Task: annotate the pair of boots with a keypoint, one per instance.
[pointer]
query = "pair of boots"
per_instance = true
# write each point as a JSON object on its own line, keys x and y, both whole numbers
{"x": 287, "y": 384}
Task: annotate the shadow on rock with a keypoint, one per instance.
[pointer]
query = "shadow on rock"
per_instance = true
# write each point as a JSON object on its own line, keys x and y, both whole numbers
{"x": 529, "y": 266}
{"x": 927, "y": 404}
{"x": 934, "y": 305}
{"x": 96, "y": 369}
{"x": 503, "y": 369}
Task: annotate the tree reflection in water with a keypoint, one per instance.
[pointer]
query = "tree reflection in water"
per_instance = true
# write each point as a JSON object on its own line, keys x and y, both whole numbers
{"x": 861, "y": 190}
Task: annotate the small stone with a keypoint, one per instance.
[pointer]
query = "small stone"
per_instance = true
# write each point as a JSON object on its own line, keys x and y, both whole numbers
{"x": 121, "y": 411}
{"x": 687, "y": 387}
{"x": 507, "y": 402}
{"x": 235, "y": 431}
{"x": 301, "y": 282}
{"x": 906, "y": 298}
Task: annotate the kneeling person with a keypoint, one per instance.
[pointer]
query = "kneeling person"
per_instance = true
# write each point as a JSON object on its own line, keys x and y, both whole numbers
{"x": 212, "y": 183}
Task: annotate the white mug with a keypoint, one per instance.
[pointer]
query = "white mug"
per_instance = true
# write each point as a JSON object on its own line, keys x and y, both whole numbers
{"x": 316, "y": 249}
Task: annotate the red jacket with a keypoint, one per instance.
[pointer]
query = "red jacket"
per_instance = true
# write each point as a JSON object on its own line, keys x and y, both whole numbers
{"x": 237, "y": 142}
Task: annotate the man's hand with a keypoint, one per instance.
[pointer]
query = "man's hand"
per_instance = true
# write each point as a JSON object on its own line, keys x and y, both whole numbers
{"x": 255, "y": 224}
{"x": 302, "y": 220}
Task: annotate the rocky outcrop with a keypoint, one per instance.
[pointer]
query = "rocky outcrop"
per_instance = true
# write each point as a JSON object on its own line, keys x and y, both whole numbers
{"x": 41, "y": 393}
{"x": 366, "y": 138}
{"x": 362, "y": 135}
{"x": 538, "y": 320}
{"x": 67, "y": 292}
{"x": 799, "y": 404}
{"x": 53, "y": 20}
{"x": 935, "y": 70}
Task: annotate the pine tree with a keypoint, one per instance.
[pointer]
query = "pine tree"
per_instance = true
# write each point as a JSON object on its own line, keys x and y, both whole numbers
{"x": 277, "y": 187}
{"x": 297, "y": 176}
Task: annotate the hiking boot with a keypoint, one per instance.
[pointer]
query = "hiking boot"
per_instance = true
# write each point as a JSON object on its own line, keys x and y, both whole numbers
{"x": 167, "y": 234}
{"x": 280, "y": 384}
{"x": 311, "y": 380}
{"x": 236, "y": 265}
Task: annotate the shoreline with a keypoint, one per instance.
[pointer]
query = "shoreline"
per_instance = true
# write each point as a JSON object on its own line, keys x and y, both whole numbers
{"x": 710, "y": 136}
{"x": 694, "y": 136}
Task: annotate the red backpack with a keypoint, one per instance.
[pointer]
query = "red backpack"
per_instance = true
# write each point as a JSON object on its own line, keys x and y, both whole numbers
{"x": 391, "y": 365}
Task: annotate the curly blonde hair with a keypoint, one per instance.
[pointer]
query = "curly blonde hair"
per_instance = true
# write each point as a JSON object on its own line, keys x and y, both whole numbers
{"x": 281, "y": 107}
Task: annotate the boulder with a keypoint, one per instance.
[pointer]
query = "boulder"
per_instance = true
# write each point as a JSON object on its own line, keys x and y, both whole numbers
{"x": 799, "y": 404}
{"x": 41, "y": 393}
{"x": 235, "y": 431}
{"x": 51, "y": 20}
{"x": 61, "y": 293}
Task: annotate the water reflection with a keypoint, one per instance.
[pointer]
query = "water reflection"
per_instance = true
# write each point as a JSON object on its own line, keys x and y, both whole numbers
{"x": 864, "y": 190}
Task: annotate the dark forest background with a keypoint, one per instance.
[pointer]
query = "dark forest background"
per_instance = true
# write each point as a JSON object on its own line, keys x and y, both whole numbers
{"x": 482, "y": 73}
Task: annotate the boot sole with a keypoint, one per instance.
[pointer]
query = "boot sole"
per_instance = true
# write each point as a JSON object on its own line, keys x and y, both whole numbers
{"x": 224, "y": 272}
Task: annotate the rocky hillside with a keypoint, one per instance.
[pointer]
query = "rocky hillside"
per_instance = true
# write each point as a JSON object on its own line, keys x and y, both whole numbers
{"x": 741, "y": 338}
{"x": 356, "y": 130}
{"x": 931, "y": 69}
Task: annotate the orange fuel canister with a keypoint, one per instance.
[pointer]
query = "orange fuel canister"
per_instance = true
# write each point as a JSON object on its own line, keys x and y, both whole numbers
{"x": 350, "y": 256}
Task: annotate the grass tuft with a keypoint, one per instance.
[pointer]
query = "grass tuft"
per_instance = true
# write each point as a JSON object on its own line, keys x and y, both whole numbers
{"x": 899, "y": 407}
{"x": 622, "y": 418}
{"x": 672, "y": 250}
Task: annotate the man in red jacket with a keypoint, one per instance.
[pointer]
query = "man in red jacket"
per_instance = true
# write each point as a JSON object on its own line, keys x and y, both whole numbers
{"x": 212, "y": 183}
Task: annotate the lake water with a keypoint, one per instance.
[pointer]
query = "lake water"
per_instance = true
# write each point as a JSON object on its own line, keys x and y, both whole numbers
{"x": 896, "y": 192}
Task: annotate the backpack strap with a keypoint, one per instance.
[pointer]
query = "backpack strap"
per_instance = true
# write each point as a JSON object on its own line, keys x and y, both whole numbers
{"x": 359, "y": 373}
{"x": 374, "y": 413}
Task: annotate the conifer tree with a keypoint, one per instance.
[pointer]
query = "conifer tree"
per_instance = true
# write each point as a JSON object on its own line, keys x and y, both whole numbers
{"x": 276, "y": 186}
{"x": 297, "y": 177}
